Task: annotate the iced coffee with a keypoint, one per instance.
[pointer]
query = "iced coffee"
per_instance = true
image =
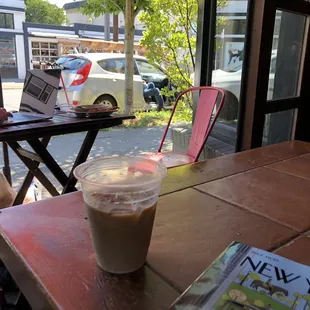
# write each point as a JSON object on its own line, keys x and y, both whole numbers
{"x": 120, "y": 195}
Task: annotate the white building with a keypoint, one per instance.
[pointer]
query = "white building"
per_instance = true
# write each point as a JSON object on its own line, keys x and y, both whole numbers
{"x": 74, "y": 15}
{"x": 12, "y": 50}
{"x": 27, "y": 45}
{"x": 232, "y": 36}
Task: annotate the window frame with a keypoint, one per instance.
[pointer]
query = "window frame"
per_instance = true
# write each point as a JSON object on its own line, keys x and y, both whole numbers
{"x": 136, "y": 71}
{"x": 6, "y": 24}
{"x": 145, "y": 61}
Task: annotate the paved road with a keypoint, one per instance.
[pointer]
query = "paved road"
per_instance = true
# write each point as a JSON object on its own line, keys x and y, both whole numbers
{"x": 108, "y": 143}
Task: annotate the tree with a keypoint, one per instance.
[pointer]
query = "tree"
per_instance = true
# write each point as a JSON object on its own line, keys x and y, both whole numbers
{"x": 306, "y": 297}
{"x": 43, "y": 12}
{"x": 130, "y": 8}
{"x": 297, "y": 296}
{"x": 170, "y": 37}
{"x": 243, "y": 278}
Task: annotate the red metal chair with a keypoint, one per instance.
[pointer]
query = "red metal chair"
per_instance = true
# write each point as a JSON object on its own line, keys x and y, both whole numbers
{"x": 210, "y": 99}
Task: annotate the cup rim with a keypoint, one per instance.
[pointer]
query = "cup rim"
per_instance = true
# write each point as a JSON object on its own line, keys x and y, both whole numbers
{"x": 80, "y": 178}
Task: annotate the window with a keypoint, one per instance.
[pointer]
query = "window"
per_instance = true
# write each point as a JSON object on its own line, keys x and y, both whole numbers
{"x": 146, "y": 68}
{"x": 72, "y": 63}
{"x": 235, "y": 26}
{"x": 115, "y": 65}
{"x": 6, "y": 21}
{"x": 43, "y": 52}
{"x": 7, "y": 52}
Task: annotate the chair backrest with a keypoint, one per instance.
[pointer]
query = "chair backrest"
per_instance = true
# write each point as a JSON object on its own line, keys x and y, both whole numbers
{"x": 211, "y": 99}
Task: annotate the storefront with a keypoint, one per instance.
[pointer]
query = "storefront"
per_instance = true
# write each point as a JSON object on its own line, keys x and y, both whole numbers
{"x": 45, "y": 43}
{"x": 12, "y": 51}
{"x": 8, "y": 62}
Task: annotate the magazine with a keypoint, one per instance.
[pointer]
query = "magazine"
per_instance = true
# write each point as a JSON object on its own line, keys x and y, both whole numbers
{"x": 244, "y": 277}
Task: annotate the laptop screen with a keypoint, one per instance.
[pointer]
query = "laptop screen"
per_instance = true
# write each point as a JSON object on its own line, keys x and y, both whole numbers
{"x": 40, "y": 91}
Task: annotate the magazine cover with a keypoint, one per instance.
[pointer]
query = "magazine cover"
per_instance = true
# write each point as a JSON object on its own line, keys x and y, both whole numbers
{"x": 245, "y": 277}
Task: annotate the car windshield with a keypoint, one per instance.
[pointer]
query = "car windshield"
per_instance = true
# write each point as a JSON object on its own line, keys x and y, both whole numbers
{"x": 71, "y": 62}
{"x": 145, "y": 68}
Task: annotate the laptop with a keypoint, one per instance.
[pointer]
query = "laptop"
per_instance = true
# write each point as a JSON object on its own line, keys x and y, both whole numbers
{"x": 39, "y": 97}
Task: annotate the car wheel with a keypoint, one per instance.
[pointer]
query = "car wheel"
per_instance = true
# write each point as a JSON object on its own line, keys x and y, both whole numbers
{"x": 106, "y": 99}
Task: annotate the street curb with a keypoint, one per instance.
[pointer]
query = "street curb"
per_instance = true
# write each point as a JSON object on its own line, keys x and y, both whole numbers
{"x": 6, "y": 86}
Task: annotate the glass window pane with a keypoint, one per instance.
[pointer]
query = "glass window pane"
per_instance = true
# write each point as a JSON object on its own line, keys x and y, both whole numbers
{"x": 7, "y": 52}
{"x": 35, "y": 44}
{"x": 278, "y": 127}
{"x": 286, "y": 56}
{"x": 9, "y": 21}
{"x": 113, "y": 65}
{"x": 53, "y": 46}
{"x": 2, "y": 20}
{"x": 146, "y": 69}
{"x": 228, "y": 65}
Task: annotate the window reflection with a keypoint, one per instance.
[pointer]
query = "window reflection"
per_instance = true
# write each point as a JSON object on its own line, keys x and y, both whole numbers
{"x": 7, "y": 52}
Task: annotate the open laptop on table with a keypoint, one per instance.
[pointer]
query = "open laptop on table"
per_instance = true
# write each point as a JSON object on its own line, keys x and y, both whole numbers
{"x": 39, "y": 97}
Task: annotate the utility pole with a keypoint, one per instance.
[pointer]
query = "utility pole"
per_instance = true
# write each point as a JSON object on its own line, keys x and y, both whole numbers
{"x": 107, "y": 27}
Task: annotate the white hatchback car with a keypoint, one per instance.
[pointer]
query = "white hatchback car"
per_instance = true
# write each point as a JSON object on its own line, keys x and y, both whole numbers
{"x": 100, "y": 78}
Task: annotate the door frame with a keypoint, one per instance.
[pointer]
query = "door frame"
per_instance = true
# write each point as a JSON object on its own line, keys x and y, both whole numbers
{"x": 255, "y": 79}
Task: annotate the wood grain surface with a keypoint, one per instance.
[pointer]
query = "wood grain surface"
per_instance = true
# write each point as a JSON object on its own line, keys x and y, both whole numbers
{"x": 58, "y": 125}
{"x": 268, "y": 192}
{"x": 255, "y": 197}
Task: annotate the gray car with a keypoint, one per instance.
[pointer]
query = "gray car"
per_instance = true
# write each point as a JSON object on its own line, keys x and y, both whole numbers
{"x": 100, "y": 78}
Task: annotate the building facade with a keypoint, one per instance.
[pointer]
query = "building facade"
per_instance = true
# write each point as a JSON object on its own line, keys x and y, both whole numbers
{"x": 39, "y": 43}
{"x": 12, "y": 55}
{"x": 74, "y": 15}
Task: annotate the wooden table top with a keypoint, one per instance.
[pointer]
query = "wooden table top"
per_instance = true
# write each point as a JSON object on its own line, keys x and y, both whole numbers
{"x": 60, "y": 124}
{"x": 245, "y": 197}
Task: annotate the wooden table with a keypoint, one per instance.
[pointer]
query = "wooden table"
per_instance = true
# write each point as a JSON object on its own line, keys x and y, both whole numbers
{"x": 260, "y": 197}
{"x": 37, "y": 136}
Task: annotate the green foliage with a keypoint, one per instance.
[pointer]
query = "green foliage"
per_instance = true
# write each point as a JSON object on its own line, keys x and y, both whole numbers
{"x": 252, "y": 297}
{"x": 259, "y": 303}
{"x": 154, "y": 118}
{"x": 241, "y": 277}
{"x": 43, "y": 12}
{"x": 254, "y": 276}
{"x": 98, "y": 7}
{"x": 170, "y": 37}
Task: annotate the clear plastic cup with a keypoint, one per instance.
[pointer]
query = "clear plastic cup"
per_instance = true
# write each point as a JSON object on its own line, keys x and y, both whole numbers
{"x": 120, "y": 195}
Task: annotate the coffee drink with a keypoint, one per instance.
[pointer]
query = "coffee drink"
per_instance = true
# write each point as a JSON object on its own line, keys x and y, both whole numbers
{"x": 120, "y": 194}
{"x": 121, "y": 236}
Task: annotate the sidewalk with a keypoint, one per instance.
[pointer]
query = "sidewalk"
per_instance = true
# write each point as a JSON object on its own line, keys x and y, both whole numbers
{"x": 12, "y": 84}
{"x": 126, "y": 142}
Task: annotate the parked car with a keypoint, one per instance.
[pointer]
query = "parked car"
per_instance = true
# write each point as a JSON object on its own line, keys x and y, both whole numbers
{"x": 230, "y": 77}
{"x": 96, "y": 78}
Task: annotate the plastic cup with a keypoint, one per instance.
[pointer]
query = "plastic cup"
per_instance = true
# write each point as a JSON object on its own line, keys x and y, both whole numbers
{"x": 120, "y": 195}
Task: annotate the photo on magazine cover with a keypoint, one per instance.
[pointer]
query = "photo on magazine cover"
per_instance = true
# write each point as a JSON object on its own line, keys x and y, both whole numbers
{"x": 244, "y": 277}
{"x": 264, "y": 285}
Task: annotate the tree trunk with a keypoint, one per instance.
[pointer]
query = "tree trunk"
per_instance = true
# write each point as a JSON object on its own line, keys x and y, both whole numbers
{"x": 241, "y": 283}
{"x": 129, "y": 48}
{"x": 115, "y": 27}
